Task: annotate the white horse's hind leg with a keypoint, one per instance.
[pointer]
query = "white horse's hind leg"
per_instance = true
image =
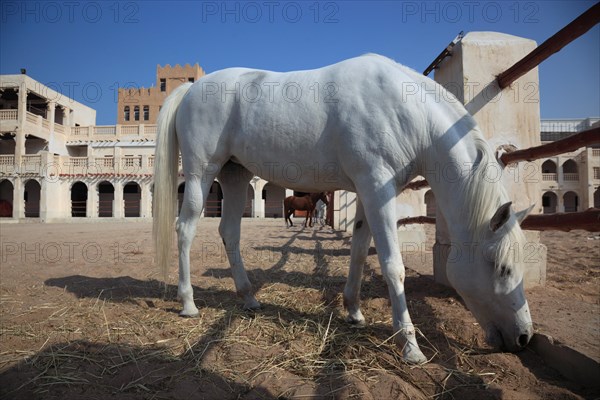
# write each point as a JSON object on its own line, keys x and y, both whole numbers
{"x": 234, "y": 182}
{"x": 194, "y": 198}
{"x": 379, "y": 202}
{"x": 361, "y": 238}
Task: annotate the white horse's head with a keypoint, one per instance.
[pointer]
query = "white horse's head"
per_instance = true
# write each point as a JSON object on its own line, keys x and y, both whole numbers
{"x": 488, "y": 274}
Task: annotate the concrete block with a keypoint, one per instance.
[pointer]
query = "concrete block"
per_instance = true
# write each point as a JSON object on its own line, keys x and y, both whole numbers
{"x": 534, "y": 259}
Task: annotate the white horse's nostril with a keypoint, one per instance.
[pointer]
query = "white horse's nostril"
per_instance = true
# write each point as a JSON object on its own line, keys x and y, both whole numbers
{"x": 523, "y": 340}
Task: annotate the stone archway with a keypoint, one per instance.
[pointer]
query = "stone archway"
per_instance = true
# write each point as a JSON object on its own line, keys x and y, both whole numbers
{"x": 180, "y": 193}
{"x": 32, "y": 196}
{"x": 571, "y": 201}
{"x": 7, "y": 191}
{"x": 106, "y": 199}
{"x": 213, "y": 205}
{"x": 549, "y": 202}
{"x": 430, "y": 204}
{"x": 249, "y": 198}
{"x": 132, "y": 200}
{"x": 273, "y": 195}
{"x": 79, "y": 195}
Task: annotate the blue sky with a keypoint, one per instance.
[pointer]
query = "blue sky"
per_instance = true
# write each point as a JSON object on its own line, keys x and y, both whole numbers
{"x": 88, "y": 49}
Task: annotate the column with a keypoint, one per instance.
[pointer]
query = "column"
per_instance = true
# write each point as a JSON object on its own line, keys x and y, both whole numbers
{"x": 146, "y": 201}
{"x": 118, "y": 204}
{"x": 66, "y": 117}
{"x": 50, "y": 117}
{"x": 21, "y": 116}
{"x": 45, "y": 202}
{"x": 50, "y": 114}
{"x": 559, "y": 173}
{"x": 258, "y": 205}
{"x": 560, "y": 207}
{"x": 91, "y": 204}
{"x": 18, "y": 198}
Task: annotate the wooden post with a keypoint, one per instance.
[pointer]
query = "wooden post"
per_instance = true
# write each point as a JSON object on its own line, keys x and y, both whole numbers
{"x": 555, "y": 43}
{"x": 582, "y": 139}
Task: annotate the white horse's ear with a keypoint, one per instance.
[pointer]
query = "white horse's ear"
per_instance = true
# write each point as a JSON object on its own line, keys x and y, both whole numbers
{"x": 501, "y": 216}
{"x": 521, "y": 215}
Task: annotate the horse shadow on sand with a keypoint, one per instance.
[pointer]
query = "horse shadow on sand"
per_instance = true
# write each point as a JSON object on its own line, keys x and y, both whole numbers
{"x": 132, "y": 369}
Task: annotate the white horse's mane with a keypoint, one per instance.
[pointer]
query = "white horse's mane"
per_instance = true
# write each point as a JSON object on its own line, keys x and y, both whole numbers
{"x": 483, "y": 194}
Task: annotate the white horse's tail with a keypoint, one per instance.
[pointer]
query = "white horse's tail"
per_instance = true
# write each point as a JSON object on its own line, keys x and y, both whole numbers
{"x": 166, "y": 166}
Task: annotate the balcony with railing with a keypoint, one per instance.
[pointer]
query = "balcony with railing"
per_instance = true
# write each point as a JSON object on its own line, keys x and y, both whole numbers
{"x": 112, "y": 132}
{"x": 7, "y": 160}
{"x": 151, "y": 160}
{"x": 9, "y": 115}
{"x": 37, "y": 125}
{"x": 104, "y": 166}
{"x": 105, "y": 162}
{"x": 7, "y": 164}
{"x": 571, "y": 177}
{"x": 549, "y": 177}
{"x": 34, "y": 124}
{"x": 130, "y": 162}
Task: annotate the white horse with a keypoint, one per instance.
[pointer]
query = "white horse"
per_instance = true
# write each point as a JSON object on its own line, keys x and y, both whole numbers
{"x": 367, "y": 125}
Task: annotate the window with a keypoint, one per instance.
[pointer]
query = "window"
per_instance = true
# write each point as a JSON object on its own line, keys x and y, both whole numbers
{"x": 136, "y": 113}
{"x": 126, "y": 113}
{"x": 163, "y": 85}
{"x": 146, "y": 113}
{"x": 191, "y": 80}
{"x": 596, "y": 172}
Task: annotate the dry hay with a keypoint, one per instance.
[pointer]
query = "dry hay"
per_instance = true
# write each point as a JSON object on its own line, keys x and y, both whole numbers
{"x": 120, "y": 336}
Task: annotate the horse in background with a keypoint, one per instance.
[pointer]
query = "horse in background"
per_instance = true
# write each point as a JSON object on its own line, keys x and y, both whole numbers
{"x": 306, "y": 203}
{"x": 6, "y": 209}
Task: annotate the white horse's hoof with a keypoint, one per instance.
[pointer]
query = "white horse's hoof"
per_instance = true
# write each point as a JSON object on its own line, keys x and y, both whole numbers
{"x": 251, "y": 305}
{"x": 413, "y": 356}
{"x": 356, "y": 322}
{"x": 411, "y": 353}
{"x": 189, "y": 313}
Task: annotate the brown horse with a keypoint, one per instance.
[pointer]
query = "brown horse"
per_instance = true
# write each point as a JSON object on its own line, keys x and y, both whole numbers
{"x": 305, "y": 203}
{"x": 6, "y": 209}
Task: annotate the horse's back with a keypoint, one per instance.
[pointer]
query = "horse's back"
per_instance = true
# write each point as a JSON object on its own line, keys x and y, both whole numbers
{"x": 299, "y": 128}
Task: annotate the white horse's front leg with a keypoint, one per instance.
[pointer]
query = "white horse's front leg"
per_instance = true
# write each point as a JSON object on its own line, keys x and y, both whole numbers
{"x": 380, "y": 208}
{"x": 361, "y": 239}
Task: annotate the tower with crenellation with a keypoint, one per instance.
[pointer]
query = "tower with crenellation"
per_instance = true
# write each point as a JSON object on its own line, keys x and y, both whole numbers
{"x": 141, "y": 105}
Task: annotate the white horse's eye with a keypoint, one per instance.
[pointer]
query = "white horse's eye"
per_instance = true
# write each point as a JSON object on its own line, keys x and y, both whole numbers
{"x": 489, "y": 254}
{"x": 505, "y": 271}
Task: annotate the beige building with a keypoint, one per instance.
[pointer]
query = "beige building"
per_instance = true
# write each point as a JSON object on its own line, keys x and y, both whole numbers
{"x": 570, "y": 181}
{"x": 56, "y": 164}
{"x": 141, "y": 105}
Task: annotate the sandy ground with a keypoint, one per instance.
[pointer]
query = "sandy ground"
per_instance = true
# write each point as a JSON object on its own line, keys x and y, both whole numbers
{"x": 83, "y": 316}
